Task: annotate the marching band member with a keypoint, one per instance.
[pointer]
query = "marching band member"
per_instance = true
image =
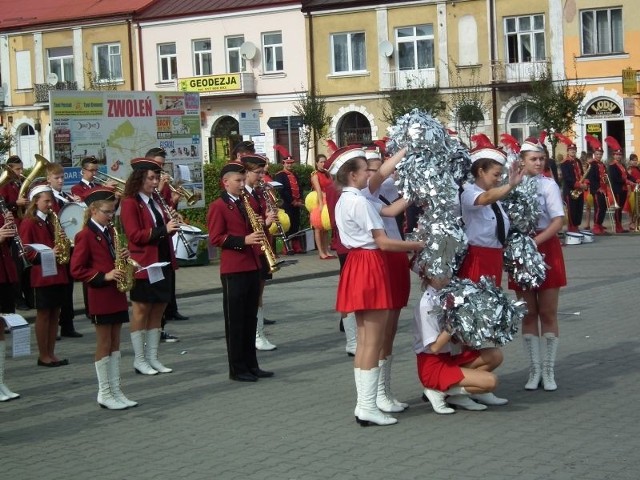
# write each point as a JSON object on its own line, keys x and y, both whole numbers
{"x": 254, "y": 165}
{"x": 320, "y": 181}
{"x": 596, "y": 180}
{"x": 620, "y": 182}
{"x": 572, "y": 173}
{"x": 92, "y": 262}
{"x": 89, "y": 167}
{"x": 149, "y": 230}
{"x": 230, "y": 229}
{"x": 37, "y": 226}
{"x": 55, "y": 179}
{"x": 634, "y": 175}
{"x": 291, "y": 194}
{"x": 364, "y": 286}
{"x": 542, "y": 303}
{"x": 8, "y": 278}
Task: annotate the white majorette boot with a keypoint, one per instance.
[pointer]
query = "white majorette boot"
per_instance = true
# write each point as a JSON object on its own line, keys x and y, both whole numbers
{"x": 140, "y": 363}
{"x": 151, "y": 351}
{"x": 356, "y": 377}
{"x": 383, "y": 401}
{"x": 368, "y": 412}
{"x": 350, "y": 333}
{"x": 464, "y": 401}
{"x": 5, "y": 393}
{"x": 548, "y": 366}
{"x": 436, "y": 399}
{"x": 389, "y": 393}
{"x": 489, "y": 399}
{"x": 105, "y": 398}
{"x": 114, "y": 381}
{"x": 532, "y": 347}
{"x": 262, "y": 343}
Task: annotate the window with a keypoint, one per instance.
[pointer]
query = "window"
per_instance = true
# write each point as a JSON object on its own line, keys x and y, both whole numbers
{"x": 521, "y": 124}
{"x": 601, "y": 31}
{"x": 235, "y": 62}
{"x": 201, "y": 57}
{"x": 168, "y": 62}
{"x": 108, "y": 62}
{"x": 272, "y": 47}
{"x": 415, "y": 47}
{"x": 349, "y": 52}
{"x": 61, "y": 63}
{"x": 525, "y": 39}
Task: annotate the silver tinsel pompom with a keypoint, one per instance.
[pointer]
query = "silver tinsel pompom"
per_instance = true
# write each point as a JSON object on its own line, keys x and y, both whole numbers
{"x": 478, "y": 313}
{"x": 522, "y": 206}
{"x": 523, "y": 261}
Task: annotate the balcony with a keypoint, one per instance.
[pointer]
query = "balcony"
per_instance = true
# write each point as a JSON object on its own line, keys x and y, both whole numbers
{"x": 42, "y": 89}
{"x": 519, "y": 72}
{"x": 226, "y": 84}
{"x": 410, "y": 79}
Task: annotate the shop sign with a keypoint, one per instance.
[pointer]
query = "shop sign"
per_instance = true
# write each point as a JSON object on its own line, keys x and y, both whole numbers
{"x": 603, "y": 108}
{"x": 629, "y": 82}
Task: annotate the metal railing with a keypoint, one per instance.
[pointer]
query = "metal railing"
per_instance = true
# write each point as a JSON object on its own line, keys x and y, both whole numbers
{"x": 408, "y": 79}
{"x": 519, "y": 72}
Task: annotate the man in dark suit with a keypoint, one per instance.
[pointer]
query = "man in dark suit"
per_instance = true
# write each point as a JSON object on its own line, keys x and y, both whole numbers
{"x": 291, "y": 194}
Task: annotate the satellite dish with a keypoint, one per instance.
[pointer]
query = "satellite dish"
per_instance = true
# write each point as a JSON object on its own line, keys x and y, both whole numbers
{"x": 248, "y": 50}
{"x": 52, "y": 79}
{"x": 386, "y": 48}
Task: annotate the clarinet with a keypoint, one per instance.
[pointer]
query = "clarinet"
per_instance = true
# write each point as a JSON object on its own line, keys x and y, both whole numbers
{"x": 183, "y": 239}
{"x": 22, "y": 252}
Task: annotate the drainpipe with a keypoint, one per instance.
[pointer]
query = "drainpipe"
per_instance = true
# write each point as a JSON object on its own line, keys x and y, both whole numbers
{"x": 312, "y": 78}
{"x": 492, "y": 54}
{"x": 140, "y": 57}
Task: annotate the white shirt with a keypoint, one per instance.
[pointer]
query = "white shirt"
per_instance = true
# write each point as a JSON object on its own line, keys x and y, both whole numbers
{"x": 100, "y": 227}
{"x": 550, "y": 200}
{"x": 355, "y": 219}
{"x": 145, "y": 199}
{"x": 390, "y": 224}
{"x": 480, "y": 220}
{"x": 426, "y": 327}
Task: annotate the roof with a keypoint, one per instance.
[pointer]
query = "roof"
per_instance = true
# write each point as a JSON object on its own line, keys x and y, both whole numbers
{"x": 317, "y": 5}
{"x": 172, "y": 8}
{"x": 31, "y": 13}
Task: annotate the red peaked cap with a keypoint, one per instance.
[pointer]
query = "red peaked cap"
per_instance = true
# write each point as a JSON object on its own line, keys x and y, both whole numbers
{"x": 566, "y": 140}
{"x": 284, "y": 153}
{"x": 332, "y": 158}
{"x": 613, "y": 144}
{"x": 331, "y": 145}
{"x": 593, "y": 142}
{"x": 510, "y": 141}
{"x": 481, "y": 140}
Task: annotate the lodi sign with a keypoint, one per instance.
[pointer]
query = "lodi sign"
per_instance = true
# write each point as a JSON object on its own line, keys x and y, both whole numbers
{"x": 602, "y": 108}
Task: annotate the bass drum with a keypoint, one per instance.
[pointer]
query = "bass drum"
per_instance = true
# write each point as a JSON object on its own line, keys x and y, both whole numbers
{"x": 72, "y": 219}
{"x": 193, "y": 235}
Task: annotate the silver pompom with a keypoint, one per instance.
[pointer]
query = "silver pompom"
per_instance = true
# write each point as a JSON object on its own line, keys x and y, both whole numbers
{"x": 523, "y": 261}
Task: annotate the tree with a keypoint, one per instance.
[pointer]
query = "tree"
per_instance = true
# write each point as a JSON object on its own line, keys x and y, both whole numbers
{"x": 554, "y": 106}
{"x": 399, "y": 102}
{"x": 315, "y": 120}
{"x": 468, "y": 101}
{"x": 7, "y": 140}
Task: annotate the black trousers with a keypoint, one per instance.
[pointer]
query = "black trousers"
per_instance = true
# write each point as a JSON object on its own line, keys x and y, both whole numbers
{"x": 575, "y": 209}
{"x": 67, "y": 313}
{"x": 172, "y": 306}
{"x": 240, "y": 292}
{"x": 621, "y": 199}
{"x": 600, "y": 207}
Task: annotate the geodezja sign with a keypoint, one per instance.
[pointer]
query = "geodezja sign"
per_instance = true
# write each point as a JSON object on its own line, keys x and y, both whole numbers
{"x": 210, "y": 83}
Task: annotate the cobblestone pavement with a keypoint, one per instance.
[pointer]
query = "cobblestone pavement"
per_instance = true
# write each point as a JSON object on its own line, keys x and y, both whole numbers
{"x": 196, "y": 424}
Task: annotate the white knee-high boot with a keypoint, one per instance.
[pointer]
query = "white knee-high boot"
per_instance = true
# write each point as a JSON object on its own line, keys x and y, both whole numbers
{"x": 350, "y": 333}
{"x": 114, "y": 381}
{"x": 389, "y": 393}
{"x": 548, "y": 366}
{"x": 140, "y": 363}
{"x": 369, "y": 413}
{"x": 151, "y": 351}
{"x": 356, "y": 411}
{"x": 383, "y": 401}
{"x": 262, "y": 343}
{"x": 5, "y": 393}
{"x": 532, "y": 347}
{"x": 105, "y": 397}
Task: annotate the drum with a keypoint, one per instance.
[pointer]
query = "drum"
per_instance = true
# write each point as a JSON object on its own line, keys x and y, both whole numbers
{"x": 587, "y": 236}
{"x": 193, "y": 235}
{"x": 72, "y": 219}
{"x": 571, "y": 238}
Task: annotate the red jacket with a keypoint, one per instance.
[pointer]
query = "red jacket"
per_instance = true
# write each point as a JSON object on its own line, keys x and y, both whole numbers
{"x": 81, "y": 189}
{"x": 8, "y": 272}
{"x": 227, "y": 228}
{"x": 9, "y": 193}
{"x": 92, "y": 259}
{"x": 144, "y": 237}
{"x": 34, "y": 230}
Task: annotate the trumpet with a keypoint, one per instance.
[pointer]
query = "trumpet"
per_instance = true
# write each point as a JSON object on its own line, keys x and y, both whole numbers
{"x": 116, "y": 183}
{"x": 576, "y": 192}
{"x": 190, "y": 197}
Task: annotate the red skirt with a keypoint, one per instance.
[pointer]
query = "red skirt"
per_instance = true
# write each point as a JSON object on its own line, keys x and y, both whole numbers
{"x": 481, "y": 261}
{"x": 442, "y": 371}
{"x": 364, "y": 282}
{"x": 399, "y": 278}
{"x": 556, "y": 275}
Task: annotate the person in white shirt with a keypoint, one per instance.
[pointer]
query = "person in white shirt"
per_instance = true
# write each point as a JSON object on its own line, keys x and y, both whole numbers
{"x": 364, "y": 286}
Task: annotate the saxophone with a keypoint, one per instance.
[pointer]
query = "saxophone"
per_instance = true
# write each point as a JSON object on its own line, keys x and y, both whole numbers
{"x": 576, "y": 192}
{"x": 256, "y": 226}
{"x": 128, "y": 266}
{"x": 60, "y": 240}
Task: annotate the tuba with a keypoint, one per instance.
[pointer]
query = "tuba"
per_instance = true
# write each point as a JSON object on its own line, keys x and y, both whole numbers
{"x": 60, "y": 240}
{"x": 257, "y": 227}
{"x": 38, "y": 171}
{"x": 128, "y": 265}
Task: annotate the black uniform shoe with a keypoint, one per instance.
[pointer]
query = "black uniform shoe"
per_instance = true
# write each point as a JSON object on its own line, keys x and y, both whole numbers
{"x": 269, "y": 322}
{"x": 71, "y": 334}
{"x": 243, "y": 377}
{"x": 260, "y": 373}
{"x": 178, "y": 316}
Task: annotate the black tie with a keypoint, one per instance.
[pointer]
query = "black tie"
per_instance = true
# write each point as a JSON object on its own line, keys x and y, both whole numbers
{"x": 156, "y": 213}
{"x": 112, "y": 247}
{"x": 499, "y": 223}
{"x": 92, "y": 185}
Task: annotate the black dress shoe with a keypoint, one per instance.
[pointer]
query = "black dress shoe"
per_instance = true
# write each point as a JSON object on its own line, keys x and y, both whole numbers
{"x": 62, "y": 362}
{"x": 48, "y": 364}
{"x": 260, "y": 373}
{"x": 243, "y": 377}
{"x": 178, "y": 316}
{"x": 71, "y": 334}
{"x": 58, "y": 338}
{"x": 269, "y": 322}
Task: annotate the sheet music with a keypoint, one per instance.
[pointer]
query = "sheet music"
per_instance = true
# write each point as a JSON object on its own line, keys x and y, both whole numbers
{"x": 47, "y": 259}
{"x": 21, "y": 338}
{"x": 185, "y": 173}
{"x": 155, "y": 271}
